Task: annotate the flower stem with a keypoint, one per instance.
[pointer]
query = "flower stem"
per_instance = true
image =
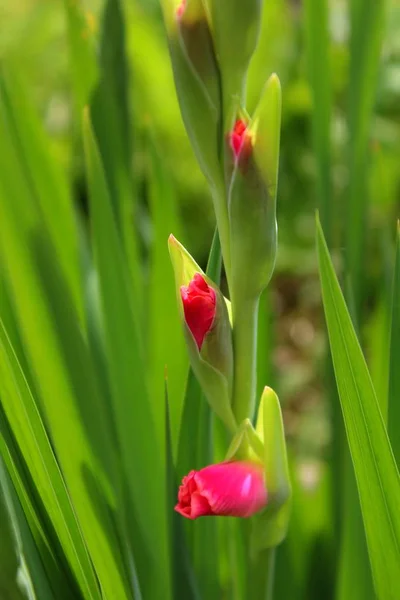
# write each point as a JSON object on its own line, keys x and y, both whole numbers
{"x": 221, "y": 214}
{"x": 264, "y": 575}
{"x": 245, "y": 319}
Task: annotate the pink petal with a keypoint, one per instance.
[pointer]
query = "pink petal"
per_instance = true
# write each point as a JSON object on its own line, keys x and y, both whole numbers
{"x": 234, "y": 488}
{"x": 199, "y": 506}
{"x": 199, "y": 300}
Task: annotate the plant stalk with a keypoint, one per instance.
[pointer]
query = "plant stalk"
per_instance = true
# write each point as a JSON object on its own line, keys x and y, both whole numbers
{"x": 245, "y": 320}
{"x": 263, "y": 576}
{"x": 221, "y": 214}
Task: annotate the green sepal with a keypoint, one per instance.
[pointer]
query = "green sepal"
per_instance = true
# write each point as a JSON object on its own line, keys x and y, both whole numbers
{"x": 252, "y": 198}
{"x": 198, "y": 47}
{"x": 267, "y": 133}
{"x": 246, "y": 444}
{"x": 199, "y": 104}
{"x": 236, "y": 29}
{"x": 213, "y": 365}
{"x": 270, "y": 526}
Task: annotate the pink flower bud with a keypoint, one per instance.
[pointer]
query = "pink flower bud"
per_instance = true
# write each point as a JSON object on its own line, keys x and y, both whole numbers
{"x": 199, "y": 301}
{"x": 181, "y": 9}
{"x": 241, "y": 141}
{"x": 228, "y": 489}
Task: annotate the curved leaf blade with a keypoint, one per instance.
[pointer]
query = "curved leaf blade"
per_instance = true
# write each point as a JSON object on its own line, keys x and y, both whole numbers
{"x": 375, "y": 468}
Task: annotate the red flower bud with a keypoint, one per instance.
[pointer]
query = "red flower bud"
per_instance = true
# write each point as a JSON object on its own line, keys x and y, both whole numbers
{"x": 181, "y": 9}
{"x": 229, "y": 489}
{"x": 241, "y": 141}
{"x": 199, "y": 301}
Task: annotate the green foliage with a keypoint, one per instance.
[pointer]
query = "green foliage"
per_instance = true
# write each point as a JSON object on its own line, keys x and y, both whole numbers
{"x": 91, "y": 451}
{"x": 375, "y": 468}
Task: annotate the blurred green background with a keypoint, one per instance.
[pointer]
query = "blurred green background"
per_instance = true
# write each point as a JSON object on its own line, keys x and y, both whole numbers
{"x": 33, "y": 37}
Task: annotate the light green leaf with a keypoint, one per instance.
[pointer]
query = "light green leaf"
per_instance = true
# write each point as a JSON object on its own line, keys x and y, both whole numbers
{"x": 142, "y": 451}
{"x": 48, "y": 198}
{"x": 81, "y": 44}
{"x": 28, "y": 555}
{"x": 367, "y": 19}
{"x": 374, "y": 464}
{"x": 394, "y": 374}
{"x": 165, "y": 342}
{"x": 316, "y": 14}
{"x": 109, "y": 108}
{"x": 62, "y": 372}
{"x": 28, "y": 429}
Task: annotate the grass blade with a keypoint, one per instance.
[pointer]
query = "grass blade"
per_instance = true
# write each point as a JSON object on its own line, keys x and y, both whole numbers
{"x": 394, "y": 374}
{"x": 112, "y": 126}
{"x": 366, "y": 20}
{"x": 317, "y": 36}
{"x": 165, "y": 341}
{"x": 52, "y": 576}
{"x": 48, "y": 188}
{"x": 29, "y": 559}
{"x": 28, "y": 429}
{"x": 81, "y": 46}
{"x": 184, "y": 584}
{"x": 133, "y": 416}
{"x": 58, "y": 360}
{"x": 374, "y": 465}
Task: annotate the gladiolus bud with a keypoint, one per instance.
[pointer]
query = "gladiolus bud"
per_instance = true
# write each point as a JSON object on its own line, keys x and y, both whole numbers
{"x": 197, "y": 81}
{"x": 207, "y": 331}
{"x": 198, "y": 300}
{"x": 236, "y": 28}
{"x": 241, "y": 142}
{"x": 271, "y": 525}
{"x": 181, "y": 9}
{"x": 239, "y": 137}
{"x": 252, "y": 154}
{"x": 228, "y": 489}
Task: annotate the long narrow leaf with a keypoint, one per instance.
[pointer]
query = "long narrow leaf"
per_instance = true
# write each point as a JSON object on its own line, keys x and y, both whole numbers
{"x": 374, "y": 465}
{"x": 367, "y": 26}
{"x": 316, "y": 20}
{"x": 57, "y": 369}
{"x": 165, "y": 341}
{"x": 30, "y": 565}
{"x": 394, "y": 375}
{"x": 29, "y": 431}
{"x": 135, "y": 426}
{"x": 112, "y": 126}
{"x": 47, "y": 184}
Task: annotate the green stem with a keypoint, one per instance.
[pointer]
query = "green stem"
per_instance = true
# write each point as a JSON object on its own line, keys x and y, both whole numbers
{"x": 245, "y": 319}
{"x": 263, "y": 575}
{"x": 221, "y": 214}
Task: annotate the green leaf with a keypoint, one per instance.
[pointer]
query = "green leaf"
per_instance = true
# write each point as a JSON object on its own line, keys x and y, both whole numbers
{"x": 366, "y": 33}
{"x": 28, "y": 555}
{"x": 374, "y": 465}
{"x": 134, "y": 419}
{"x": 265, "y": 336}
{"x": 394, "y": 374}
{"x": 353, "y": 564}
{"x": 184, "y": 583}
{"x": 319, "y": 73}
{"x": 48, "y": 198}
{"x": 28, "y": 429}
{"x": 83, "y": 64}
{"x": 165, "y": 341}
{"x": 61, "y": 368}
{"x": 109, "y": 109}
